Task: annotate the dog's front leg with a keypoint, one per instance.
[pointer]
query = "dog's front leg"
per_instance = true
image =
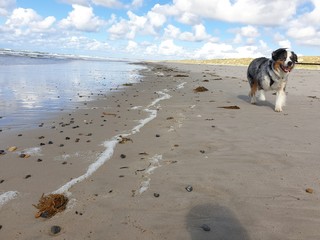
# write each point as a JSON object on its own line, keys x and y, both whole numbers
{"x": 281, "y": 98}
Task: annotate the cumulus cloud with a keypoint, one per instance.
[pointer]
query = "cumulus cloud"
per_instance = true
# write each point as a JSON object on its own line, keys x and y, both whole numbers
{"x": 249, "y": 32}
{"x": 82, "y": 18}
{"x": 199, "y": 33}
{"x": 305, "y": 29}
{"x": 6, "y": 6}
{"x": 242, "y": 11}
{"x": 137, "y": 24}
{"x": 24, "y": 21}
{"x": 132, "y": 46}
{"x": 108, "y": 3}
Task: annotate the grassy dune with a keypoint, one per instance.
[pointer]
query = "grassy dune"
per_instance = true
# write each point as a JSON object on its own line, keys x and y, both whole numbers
{"x": 246, "y": 61}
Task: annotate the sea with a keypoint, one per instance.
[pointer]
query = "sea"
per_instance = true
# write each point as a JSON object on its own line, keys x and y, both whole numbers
{"x": 33, "y": 84}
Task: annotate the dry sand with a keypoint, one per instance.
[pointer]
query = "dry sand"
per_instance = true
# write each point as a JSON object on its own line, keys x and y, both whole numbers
{"x": 249, "y": 168}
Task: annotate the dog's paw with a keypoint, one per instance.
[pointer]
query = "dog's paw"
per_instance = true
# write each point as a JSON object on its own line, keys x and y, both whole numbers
{"x": 278, "y": 109}
{"x": 253, "y": 100}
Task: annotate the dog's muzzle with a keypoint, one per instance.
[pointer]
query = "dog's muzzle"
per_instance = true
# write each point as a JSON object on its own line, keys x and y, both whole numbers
{"x": 287, "y": 68}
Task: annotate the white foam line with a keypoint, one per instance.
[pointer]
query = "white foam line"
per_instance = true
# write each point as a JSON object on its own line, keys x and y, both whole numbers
{"x": 181, "y": 85}
{"x": 154, "y": 164}
{"x": 7, "y": 196}
{"x": 112, "y": 143}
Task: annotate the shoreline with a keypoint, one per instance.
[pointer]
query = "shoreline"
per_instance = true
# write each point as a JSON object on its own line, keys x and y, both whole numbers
{"x": 242, "y": 183}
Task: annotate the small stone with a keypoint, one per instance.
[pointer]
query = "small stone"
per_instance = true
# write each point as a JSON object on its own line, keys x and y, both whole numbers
{"x": 55, "y": 230}
{"x": 205, "y": 227}
{"x": 123, "y": 156}
{"x": 157, "y": 135}
{"x": 61, "y": 145}
{"x": 28, "y": 176}
{"x": 39, "y": 160}
{"x": 2, "y": 152}
{"x": 156, "y": 195}
{"x": 12, "y": 149}
{"x": 50, "y": 142}
{"x": 189, "y": 188}
{"x": 1, "y": 181}
{"x": 309, "y": 190}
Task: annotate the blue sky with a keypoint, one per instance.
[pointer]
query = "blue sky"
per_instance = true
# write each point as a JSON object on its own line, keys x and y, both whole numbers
{"x": 178, "y": 29}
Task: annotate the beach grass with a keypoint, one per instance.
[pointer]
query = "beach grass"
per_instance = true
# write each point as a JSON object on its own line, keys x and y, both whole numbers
{"x": 305, "y": 62}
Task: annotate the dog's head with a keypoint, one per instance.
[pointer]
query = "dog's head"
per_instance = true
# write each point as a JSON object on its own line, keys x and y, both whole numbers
{"x": 284, "y": 60}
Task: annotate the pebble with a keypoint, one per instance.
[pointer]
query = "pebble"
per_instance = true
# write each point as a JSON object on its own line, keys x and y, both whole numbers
{"x": 50, "y": 142}
{"x": 28, "y": 176}
{"x": 189, "y": 188}
{"x": 55, "y": 230}
{"x": 123, "y": 156}
{"x": 156, "y": 195}
{"x": 309, "y": 190}
{"x": 157, "y": 135}
{"x": 205, "y": 227}
{"x": 12, "y": 149}
{"x": 2, "y": 152}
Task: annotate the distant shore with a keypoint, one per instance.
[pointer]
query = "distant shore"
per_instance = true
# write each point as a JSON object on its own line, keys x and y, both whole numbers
{"x": 305, "y": 62}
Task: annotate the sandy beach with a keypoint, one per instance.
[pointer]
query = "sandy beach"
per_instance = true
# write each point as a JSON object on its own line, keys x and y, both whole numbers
{"x": 160, "y": 160}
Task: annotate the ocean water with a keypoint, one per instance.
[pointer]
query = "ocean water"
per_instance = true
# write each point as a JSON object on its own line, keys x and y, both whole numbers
{"x": 35, "y": 84}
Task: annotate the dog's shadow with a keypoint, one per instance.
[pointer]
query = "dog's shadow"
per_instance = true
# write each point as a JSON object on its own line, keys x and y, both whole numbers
{"x": 265, "y": 103}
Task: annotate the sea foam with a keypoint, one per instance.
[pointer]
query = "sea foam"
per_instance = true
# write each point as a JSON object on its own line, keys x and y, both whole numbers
{"x": 112, "y": 143}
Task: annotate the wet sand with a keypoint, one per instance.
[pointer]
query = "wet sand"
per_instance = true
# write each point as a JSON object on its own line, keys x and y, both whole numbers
{"x": 193, "y": 165}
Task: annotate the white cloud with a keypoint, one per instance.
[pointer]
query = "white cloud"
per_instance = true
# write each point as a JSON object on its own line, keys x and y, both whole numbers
{"x": 24, "y": 21}
{"x": 82, "y": 18}
{"x": 213, "y": 50}
{"x": 305, "y": 29}
{"x": 240, "y": 11}
{"x": 144, "y": 25}
{"x": 108, "y": 3}
{"x": 169, "y": 48}
{"x": 248, "y": 32}
{"x": 199, "y": 34}
{"x": 78, "y": 2}
{"x": 132, "y": 46}
{"x": 120, "y": 29}
{"x": 284, "y": 44}
{"x": 137, "y": 3}
{"x": 6, "y": 6}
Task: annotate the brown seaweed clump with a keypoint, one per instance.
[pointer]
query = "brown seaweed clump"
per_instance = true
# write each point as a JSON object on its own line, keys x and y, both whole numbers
{"x": 200, "y": 89}
{"x": 123, "y": 140}
{"x": 230, "y": 107}
{"x": 51, "y": 204}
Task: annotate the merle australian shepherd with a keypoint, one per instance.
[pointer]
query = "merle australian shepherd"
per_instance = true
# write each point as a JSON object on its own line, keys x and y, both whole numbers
{"x": 271, "y": 74}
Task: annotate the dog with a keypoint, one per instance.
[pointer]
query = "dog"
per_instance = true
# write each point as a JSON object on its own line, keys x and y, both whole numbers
{"x": 266, "y": 74}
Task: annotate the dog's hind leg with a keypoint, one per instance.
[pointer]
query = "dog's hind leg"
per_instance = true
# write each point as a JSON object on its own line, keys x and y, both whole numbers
{"x": 252, "y": 93}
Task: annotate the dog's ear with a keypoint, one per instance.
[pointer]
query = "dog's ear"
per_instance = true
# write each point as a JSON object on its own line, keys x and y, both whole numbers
{"x": 294, "y": 57}
{"x": 278, "y": 53}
